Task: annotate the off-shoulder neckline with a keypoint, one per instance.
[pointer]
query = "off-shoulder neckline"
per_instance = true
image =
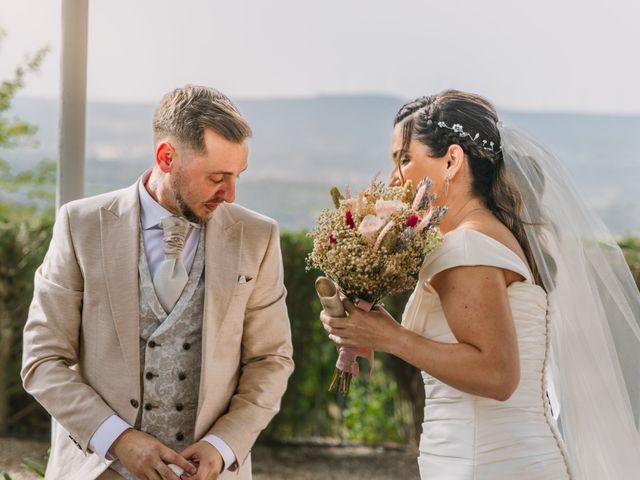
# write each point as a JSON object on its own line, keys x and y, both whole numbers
{"x": 493, "y": 241}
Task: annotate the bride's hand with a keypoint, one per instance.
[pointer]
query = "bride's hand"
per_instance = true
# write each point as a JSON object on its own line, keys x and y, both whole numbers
{"x": 375, "y": 329}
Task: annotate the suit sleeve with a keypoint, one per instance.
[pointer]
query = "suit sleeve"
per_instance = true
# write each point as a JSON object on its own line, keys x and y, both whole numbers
{"x": 267, "y": 359}
{"x": 51, "y": 341}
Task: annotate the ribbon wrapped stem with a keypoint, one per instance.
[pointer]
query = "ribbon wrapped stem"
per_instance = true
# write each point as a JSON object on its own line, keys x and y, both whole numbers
{"x": 347, "y": 365}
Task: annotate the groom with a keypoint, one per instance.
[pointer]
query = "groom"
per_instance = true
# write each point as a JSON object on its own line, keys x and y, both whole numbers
{"x": 158, "y": 332}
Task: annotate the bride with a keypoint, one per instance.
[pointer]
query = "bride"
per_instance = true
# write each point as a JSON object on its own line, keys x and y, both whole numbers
{"x": 527, "y": 295}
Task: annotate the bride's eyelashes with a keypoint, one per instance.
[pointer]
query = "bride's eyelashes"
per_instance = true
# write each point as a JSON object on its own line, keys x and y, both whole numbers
{"x": 405, "y": 160}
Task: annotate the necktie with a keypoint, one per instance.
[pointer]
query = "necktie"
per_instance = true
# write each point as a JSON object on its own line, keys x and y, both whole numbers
{"x": 171, "y": 276}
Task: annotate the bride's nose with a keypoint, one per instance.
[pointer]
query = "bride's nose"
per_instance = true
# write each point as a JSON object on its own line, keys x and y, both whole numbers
{"x": 394, "y": 179}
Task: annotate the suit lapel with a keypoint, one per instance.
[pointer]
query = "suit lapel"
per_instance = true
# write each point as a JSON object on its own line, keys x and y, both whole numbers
{"x": 222, "y": 249}
{"x": 223, "y": 245}
{"x": 120, "y": 236}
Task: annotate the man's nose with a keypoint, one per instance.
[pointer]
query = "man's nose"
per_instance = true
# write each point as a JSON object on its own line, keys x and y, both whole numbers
{"x": 230, "y": 190}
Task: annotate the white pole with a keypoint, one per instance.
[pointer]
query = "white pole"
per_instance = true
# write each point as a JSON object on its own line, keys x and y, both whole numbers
{"x": 73, "y": 99}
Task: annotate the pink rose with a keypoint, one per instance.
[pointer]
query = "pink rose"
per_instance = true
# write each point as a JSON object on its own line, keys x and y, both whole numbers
{"x": 370, "y": 225}
{"x": 386, "y": 208}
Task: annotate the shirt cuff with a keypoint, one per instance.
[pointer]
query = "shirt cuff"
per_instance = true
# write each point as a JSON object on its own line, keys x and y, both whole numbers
{"x": 228, "y": 457}
{"x": 105, "y": 435}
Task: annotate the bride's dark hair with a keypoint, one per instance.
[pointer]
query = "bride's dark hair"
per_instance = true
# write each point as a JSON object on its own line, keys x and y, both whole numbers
{"x": 490, "y": 180}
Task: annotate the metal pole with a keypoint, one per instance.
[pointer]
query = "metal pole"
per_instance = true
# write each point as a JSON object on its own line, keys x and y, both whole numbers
{"x": 73, "y": 100}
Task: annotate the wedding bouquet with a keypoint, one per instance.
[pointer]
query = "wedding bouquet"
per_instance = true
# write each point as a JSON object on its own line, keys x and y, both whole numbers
{"x": 371, "y": 245}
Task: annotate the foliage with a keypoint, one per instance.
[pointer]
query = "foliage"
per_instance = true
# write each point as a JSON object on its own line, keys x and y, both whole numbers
{"x": 26, "y": 216}
{"x": 373, "y": 415}
{"x": 306, "y": 405}
{"x": 24, "y": 236}
{"x": 13, "y": 131}
{"x": 36, "y": 466}
{"x": 631, "y": 249}
{"x": 33, "y": 465}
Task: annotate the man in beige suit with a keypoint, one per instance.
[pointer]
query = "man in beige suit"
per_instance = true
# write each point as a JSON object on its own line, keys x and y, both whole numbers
{"x": 158, "y": 336}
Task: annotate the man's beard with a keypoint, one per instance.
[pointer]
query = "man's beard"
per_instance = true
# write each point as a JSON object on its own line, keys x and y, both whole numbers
{"x": 186, "y": 211}
{"x": 183, "y": 207}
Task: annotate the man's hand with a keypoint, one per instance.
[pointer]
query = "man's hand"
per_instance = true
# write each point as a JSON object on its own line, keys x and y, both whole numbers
{"x": 208, "y": 459}
{"x": 146, "y": 457}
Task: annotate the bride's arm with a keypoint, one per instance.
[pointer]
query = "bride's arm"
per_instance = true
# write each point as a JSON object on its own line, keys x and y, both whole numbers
{"x": 485, "y": 362}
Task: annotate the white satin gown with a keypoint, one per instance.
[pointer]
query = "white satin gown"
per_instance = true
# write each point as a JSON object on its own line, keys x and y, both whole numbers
{"x": 467, "y": 437}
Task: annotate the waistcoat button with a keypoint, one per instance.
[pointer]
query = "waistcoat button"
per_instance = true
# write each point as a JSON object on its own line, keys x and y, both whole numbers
{"x": 148, "y": 406}
{"x": 148, "y": 375}
{"x": 134, "y": 403}
{"x": 186, "y": 346}
{"x": 179, "y": 436}
{"x": 179, "y": 407}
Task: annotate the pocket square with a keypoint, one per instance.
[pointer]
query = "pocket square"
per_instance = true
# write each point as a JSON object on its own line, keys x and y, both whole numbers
{"x": 243, "y": 279}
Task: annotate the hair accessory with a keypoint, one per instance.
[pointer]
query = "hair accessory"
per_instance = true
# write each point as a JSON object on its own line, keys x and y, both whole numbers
{"x": 459, "y": 129}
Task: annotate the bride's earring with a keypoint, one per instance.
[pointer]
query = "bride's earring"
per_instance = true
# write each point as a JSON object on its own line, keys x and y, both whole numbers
{"x": 447, "y": 180}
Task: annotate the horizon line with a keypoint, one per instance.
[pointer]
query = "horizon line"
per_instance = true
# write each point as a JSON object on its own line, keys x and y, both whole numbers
{"x": 347, "y": 95}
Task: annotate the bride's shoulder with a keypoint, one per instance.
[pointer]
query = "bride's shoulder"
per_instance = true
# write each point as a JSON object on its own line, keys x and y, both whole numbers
{"x": 481, "y": 243}
{"x": 482, "y": 230}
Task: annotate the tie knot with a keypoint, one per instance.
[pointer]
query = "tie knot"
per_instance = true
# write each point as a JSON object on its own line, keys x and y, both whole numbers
{"x": 174, "y": 233}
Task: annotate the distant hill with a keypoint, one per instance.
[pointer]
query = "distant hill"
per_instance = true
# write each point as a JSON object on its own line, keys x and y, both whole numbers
{"x": 303, "y": 146}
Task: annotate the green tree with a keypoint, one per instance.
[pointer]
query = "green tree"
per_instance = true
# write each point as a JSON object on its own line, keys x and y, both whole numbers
{"x": 26, "y": 218}
{"x": 375, "y": 413}
{"x": 631, "y": 249}
{"x": 308, "y": 408}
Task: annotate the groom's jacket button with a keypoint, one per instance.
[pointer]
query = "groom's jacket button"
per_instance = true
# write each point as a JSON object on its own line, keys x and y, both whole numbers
{"x": 186, "y": 345}
{"x": 182, "y": 376}
{"x": 152, "y": 344}
{"x": 148, "y": 406}
{"x": 134, "y": 403}
{"x": 179, "y": 436}
{"x": 149, "y": 375}
{"x": 179, "y": 407}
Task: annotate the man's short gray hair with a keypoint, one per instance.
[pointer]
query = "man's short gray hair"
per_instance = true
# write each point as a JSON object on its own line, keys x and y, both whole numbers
{"x": 186, "y": 112}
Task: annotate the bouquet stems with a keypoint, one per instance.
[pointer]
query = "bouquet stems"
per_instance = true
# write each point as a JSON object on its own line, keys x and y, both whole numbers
{"x": 347, "y": 366}
{"x": 341, "y": 382}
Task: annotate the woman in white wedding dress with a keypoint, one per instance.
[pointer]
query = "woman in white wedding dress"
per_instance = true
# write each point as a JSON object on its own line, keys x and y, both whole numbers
{"x": 508, "y": 297}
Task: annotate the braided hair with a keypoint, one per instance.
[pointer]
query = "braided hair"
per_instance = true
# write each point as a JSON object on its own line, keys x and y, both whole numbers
{"x": 490, "y": 181}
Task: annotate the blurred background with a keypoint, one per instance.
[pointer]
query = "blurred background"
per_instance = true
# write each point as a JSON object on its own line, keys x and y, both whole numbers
{"x": 320, "y": 83}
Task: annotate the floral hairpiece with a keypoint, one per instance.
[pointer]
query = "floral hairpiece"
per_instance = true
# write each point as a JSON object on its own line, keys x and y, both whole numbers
{"x": 457, "y": 128}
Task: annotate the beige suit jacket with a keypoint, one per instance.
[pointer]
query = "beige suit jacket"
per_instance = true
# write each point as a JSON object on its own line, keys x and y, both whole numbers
{"x": 81, "y": 356}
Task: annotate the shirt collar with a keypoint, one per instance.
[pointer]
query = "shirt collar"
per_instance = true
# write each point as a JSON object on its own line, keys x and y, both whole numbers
{"x": 151, "y": 212}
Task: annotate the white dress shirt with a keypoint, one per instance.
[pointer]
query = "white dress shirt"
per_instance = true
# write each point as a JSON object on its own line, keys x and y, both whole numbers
{"x": 151, "y": 212}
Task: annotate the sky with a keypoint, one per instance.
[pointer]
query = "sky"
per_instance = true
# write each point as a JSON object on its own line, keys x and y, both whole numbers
{"x": 549, "y": 55}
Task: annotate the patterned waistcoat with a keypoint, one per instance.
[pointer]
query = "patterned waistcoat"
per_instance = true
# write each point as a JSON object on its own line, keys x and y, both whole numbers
{"x": 170, "y": 359}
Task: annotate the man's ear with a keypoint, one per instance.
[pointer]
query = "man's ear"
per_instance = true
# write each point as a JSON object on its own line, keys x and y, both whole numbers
{"x": 165, "y": 154}
{"x": 455, "y": 160}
